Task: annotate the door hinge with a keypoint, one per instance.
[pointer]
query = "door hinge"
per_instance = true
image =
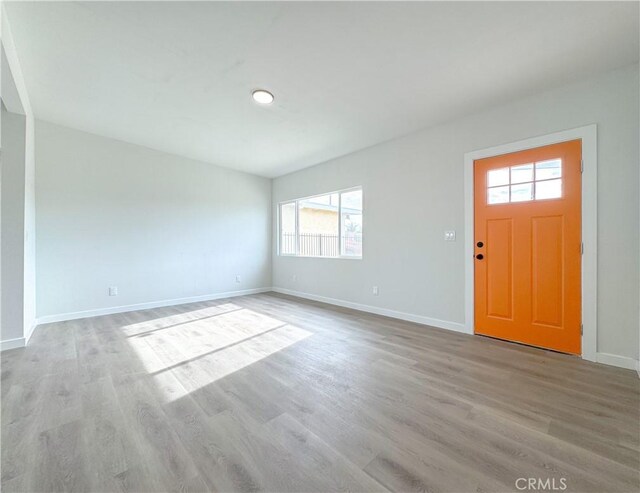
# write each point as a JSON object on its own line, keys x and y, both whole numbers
{"x": 581, "y": 329}
{"x": 582, "y": 166}
{"x": 582, "y": 248}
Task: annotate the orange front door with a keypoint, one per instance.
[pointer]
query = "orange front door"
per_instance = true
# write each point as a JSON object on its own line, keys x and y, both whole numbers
{"x": 528, "y": 246}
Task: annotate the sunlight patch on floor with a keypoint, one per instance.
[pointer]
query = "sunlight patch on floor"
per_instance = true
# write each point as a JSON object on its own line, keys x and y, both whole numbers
{"x": 203, "y": 350}
{"x": 177, "y": 319}
{"x": 200, "y": 372}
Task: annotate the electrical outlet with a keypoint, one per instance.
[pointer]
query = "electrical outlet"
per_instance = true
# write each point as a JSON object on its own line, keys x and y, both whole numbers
{"x": 375, "y": 291}
{"x": 450, "y": 235}
{"x": 238, "y": 279}
{"x": 113, "y": 290}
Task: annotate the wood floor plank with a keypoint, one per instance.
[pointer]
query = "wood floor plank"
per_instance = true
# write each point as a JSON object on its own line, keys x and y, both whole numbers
{"x": 58, "y": 462}
{"x": 272, "y": 393}
{"x": 359, "y": 444}
{"x": 219, "y": 464}
{"x": 314, "y": 454}
{"x": 156, "y": 443}
{"x": 601, "y": 470}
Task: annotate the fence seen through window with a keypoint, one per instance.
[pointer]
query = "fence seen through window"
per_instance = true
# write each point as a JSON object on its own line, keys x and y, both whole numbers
{"x": 328, "y": 225}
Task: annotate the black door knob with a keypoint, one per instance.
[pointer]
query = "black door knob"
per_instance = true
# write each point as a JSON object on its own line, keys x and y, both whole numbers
{"x": 479, "y": 256}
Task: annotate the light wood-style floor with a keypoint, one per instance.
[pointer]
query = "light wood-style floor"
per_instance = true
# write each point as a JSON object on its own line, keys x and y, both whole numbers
{"x": 273, "y": 393}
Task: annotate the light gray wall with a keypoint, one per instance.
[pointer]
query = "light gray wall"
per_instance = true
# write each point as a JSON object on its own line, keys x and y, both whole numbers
{"x": 29, "y": 228}
{"x": 157, "y": 226}
{"x": 16, "y": 100}
{"x": 12, "y": 178}
{"x": 413, "y": 191}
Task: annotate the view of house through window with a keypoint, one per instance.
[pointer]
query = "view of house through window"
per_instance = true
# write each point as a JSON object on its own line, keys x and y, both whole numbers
{"x": 325, "y": 226}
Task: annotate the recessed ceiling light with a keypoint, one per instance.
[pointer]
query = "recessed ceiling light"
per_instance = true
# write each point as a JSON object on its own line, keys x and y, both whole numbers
{"x": 261, "y": 96}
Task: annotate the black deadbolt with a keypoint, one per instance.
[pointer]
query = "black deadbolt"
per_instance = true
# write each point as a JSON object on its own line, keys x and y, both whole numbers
{"x": 479, "y": 256}
{"x": 480, "y": 244}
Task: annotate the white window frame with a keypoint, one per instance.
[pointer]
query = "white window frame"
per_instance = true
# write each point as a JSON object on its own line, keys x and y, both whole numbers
{"x": 297, "y": 225}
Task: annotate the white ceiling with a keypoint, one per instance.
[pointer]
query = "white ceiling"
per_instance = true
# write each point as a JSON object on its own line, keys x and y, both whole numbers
{"x": 177, "y": 76}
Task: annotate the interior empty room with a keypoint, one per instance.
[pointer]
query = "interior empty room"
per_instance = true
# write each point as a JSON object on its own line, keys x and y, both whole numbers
{"x": 315, "y": 247}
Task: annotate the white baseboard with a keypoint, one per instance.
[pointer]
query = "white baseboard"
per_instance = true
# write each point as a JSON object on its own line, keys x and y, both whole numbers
{"x": 619, "y": 361}
{"x": 29, "y": 333}
{"x": 409, "y": 317}
{"x": 18, "y": 341}
{"x": 12, "y": 343}
{"x": 63, "y": 317}
{"x": 605, "y": 358}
